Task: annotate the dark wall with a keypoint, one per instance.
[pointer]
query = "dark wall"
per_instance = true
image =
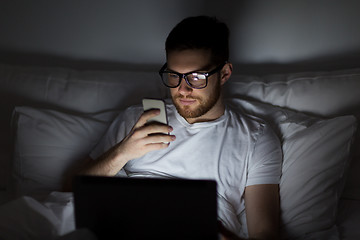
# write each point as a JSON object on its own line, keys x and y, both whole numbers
{"x": 109, "y": 33}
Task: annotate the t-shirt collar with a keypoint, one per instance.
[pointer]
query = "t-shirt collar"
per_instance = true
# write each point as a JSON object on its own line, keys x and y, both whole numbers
{"x": 202, "y": 124}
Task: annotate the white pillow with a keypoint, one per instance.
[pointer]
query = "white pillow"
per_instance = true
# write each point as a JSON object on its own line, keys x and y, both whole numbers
{"x": 48, "y": 143}
{"x": 326, "y": 94}
{"x": 316, "y": 153}
{"x": 84, "y": 91}
{"x": 322, "y": 93}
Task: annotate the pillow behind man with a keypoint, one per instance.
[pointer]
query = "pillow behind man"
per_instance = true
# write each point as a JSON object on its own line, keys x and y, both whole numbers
{"x": 48, "y": 143}
{"x": 315, "y": 157}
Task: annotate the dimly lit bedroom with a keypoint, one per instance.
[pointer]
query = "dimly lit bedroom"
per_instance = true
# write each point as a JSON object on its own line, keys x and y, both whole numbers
{"x": 179, "y": 119}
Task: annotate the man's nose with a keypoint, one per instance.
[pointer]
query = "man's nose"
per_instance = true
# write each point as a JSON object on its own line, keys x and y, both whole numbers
{"x": 184, "y": 88}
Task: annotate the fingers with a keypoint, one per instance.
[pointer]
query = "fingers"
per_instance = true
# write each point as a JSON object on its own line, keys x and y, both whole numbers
{"x": 142, "y": 128}
{"x": 146, "y": 137}
{"x": 157, "y": 142}
{"x": 153, "y": 134}
{"x": 151, "y": 137}
{"x": 155, "y": 146}
{"x": 146, "y": 116}
{"x": 158, "y": 138}
{"x": 151, "y": 129}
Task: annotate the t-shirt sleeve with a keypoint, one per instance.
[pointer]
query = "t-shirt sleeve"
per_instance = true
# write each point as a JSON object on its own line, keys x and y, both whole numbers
{"x": 266, "y": 159}
{"x": 117, "y": 130}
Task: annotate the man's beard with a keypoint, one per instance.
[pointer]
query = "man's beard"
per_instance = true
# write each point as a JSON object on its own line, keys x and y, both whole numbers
{"x": 203, "y": 108}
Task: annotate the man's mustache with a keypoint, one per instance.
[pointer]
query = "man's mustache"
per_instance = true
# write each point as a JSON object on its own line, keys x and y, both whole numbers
{"x": 187, "y": 97}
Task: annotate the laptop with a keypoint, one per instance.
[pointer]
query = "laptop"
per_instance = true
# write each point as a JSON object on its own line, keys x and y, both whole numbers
{"x": 146, "y": 208}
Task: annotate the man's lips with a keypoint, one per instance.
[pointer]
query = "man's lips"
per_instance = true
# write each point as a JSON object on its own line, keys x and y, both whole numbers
{"x": 186, "y": 102}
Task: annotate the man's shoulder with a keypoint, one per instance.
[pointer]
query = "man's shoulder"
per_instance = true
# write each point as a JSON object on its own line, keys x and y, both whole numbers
{"x": 255, "y": 125}
{"x": 238, "y": 114}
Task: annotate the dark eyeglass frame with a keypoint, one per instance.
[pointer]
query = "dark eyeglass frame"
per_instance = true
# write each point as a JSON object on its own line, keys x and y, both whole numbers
{"x": 184, "y": 75}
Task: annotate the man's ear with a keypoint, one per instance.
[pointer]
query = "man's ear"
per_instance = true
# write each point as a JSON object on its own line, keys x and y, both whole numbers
{"x": 225, "y": 73}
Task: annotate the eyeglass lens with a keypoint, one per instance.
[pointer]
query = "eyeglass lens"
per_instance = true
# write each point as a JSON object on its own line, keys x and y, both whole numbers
{"x": 196, "y": 80}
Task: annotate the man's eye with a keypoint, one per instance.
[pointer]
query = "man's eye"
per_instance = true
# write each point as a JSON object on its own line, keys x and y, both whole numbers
{"x": 173, "y": 75}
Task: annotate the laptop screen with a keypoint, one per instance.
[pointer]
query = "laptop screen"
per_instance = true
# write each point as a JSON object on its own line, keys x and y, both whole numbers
{"x": 146, "y": 208}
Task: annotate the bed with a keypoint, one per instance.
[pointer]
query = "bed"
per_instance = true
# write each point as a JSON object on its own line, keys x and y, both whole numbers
{"x": 51, "y": 117}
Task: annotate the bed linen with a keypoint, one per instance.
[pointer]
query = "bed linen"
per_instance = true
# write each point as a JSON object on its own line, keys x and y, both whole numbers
{"x": 28, "y": 217}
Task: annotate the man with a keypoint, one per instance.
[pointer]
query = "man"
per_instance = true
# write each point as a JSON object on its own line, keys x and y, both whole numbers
{"x": 207, "y": 139}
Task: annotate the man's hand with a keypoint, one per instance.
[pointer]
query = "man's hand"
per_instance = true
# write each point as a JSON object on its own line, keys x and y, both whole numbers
{"x": 144, "y": 137}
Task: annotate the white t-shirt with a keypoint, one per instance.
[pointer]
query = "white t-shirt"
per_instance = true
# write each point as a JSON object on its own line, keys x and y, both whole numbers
{"x": 236, "y": 150}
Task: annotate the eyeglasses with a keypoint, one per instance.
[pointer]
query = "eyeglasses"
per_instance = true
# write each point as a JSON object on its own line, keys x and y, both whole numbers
{"x": 195, "y": 80}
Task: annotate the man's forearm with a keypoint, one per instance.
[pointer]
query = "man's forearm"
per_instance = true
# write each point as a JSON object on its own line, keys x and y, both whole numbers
{"x": 108, "y": 164}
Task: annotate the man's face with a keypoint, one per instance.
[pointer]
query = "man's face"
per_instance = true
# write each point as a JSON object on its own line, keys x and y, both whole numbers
{"x": 191, "y": 103}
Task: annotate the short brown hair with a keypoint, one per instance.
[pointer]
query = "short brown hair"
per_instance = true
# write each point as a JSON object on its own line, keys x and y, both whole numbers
{"x": 201, "y": 32}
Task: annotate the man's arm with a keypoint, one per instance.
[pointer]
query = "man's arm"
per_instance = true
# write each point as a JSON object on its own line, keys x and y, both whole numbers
{"x": 143, "y": 138}
{"x": 262, "y": 213}
{"x": 262, "y": 206}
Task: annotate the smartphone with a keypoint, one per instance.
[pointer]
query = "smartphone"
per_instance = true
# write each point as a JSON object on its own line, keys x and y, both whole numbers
{"x": 149, "y": 103}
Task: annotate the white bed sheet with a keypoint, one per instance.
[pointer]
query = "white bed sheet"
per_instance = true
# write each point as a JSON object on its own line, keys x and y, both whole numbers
{"x": 28, "y": 218}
